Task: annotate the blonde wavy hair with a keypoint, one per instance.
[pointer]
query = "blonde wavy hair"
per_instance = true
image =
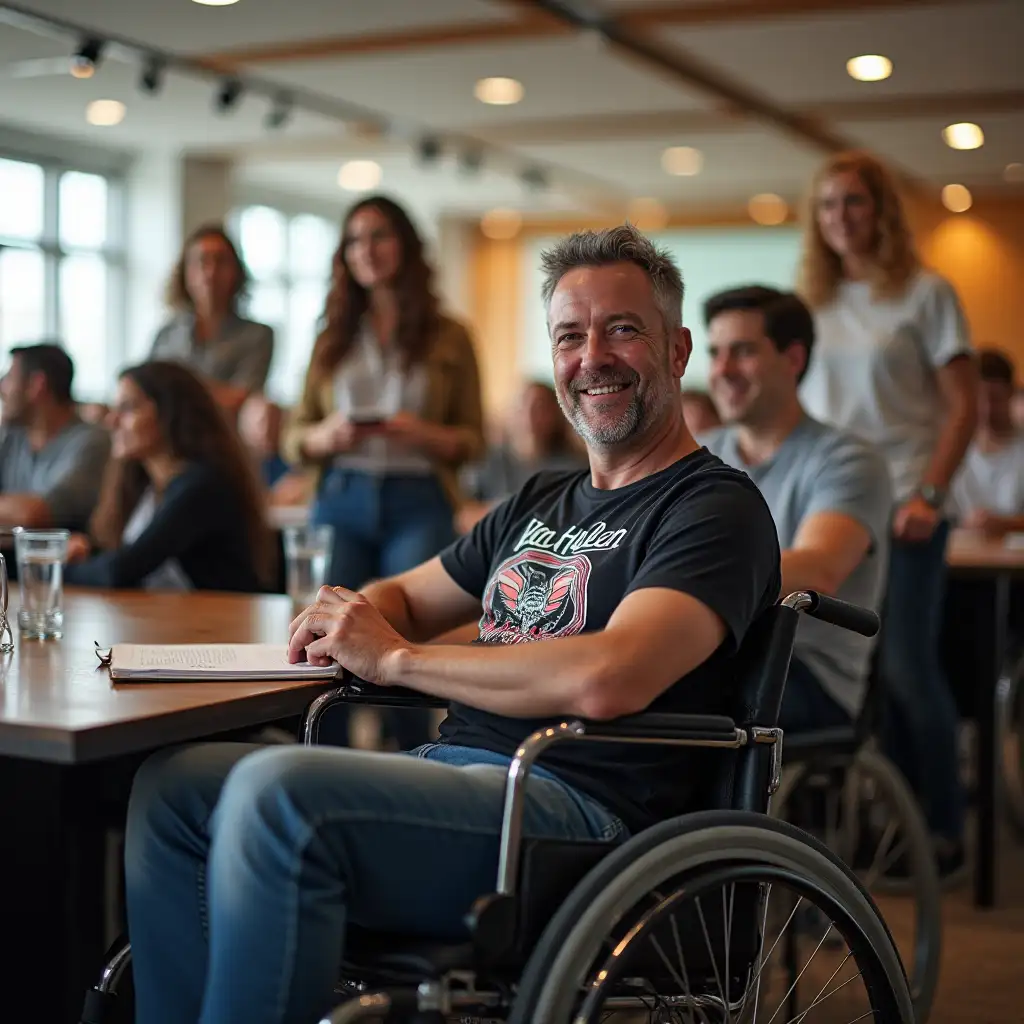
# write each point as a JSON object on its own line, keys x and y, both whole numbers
{"x": 895, "y": 259}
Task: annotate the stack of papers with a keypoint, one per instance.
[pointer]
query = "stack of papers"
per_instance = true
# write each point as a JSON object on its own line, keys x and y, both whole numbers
{"x": 209, "y": 663}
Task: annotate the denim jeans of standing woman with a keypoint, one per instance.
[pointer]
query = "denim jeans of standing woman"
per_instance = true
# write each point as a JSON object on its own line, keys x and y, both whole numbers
{"x": 383, "y": 525}
{"x": 920, "y": 716}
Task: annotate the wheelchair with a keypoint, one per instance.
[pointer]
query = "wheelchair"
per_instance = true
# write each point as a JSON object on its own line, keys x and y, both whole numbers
{"x": 673, "y": 924}
{"x": 865, "y": 812}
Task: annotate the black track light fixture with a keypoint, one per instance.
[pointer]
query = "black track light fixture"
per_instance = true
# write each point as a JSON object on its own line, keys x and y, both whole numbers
{"x": 86, "y": 59}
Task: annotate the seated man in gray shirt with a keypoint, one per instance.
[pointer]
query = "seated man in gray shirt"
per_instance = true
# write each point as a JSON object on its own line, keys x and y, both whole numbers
{"x": 829, "y": 492}
{"x": 51, "y": 463}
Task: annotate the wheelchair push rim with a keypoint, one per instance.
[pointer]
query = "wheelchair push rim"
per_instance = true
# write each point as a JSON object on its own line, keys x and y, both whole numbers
{"x": 584, "y": 952}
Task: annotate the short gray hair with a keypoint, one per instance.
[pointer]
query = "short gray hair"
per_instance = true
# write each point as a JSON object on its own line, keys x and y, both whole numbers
{"x": 622, "y": 244}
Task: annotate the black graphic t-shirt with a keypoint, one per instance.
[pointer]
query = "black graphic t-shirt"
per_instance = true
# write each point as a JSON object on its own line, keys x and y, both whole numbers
{"x": 559, "y": 556}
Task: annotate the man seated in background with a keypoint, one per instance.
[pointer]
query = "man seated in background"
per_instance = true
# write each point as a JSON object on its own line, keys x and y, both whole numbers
{"x": 51, "y": 462}
{"x": 537, "y": 438}
{"x": 828, "y": 491}
{"x": 987, "y": 493}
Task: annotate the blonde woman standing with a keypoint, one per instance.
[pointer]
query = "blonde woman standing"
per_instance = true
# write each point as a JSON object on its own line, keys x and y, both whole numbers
{"x": 892, "y": 362}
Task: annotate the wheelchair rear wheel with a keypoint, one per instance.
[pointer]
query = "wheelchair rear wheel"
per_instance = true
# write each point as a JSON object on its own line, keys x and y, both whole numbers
{"x": 707, "y": 919}
{"x": 871, "y": 821}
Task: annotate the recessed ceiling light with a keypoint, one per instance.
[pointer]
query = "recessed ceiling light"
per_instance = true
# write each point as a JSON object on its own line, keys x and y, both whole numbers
{"x": 105, "y": 113}
{"x": 359, "y": 175}
{"x": 499, "y": 92}
{"x": 215, "y": 3}
{"x": 768, "y": 209}
{"x": 1013, "y": 172}
{"x": 957, "y": 198}
{"x": 869, "y": 67}
{"x": 963, "y": 135}
{"x": 647, "y": 214}
{"x": 501, "y": 225}
{"x": 682, "y": 160}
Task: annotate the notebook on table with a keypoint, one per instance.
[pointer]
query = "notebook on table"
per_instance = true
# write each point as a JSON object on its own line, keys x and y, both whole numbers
{"x": 204, "y": 663}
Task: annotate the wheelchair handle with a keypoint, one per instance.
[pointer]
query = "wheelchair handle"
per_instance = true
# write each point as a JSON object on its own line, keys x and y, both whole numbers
{"x": 832, "y": 610}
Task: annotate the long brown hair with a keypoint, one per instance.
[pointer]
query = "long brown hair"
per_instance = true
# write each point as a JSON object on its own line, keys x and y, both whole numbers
{"x": 347, "y": 300}
{"x": 194, "y": 428}
{"x": 176, "y": 294}
{"x": 895, "y": 259}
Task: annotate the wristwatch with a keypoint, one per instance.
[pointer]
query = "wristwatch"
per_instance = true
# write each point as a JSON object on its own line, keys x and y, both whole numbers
{"x": 932, "y": 495}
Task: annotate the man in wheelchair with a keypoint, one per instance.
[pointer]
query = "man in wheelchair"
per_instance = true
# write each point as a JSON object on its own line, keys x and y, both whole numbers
{"x": 600, "y": 594}
{"x": 828, "y": 491}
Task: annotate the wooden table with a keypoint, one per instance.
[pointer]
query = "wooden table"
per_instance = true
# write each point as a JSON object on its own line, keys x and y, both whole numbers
{"x": 66, "y": 730}
{"x": 994, "y": 565}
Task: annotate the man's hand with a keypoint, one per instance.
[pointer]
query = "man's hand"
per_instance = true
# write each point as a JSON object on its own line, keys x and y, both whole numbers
{"x": 915, "y": 521}
{"x": 343, "y": 627}
{"x": 987, "y": 523}
{"x": 79, "y": 548}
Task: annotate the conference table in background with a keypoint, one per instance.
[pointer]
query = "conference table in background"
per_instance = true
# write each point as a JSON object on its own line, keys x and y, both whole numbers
{"x": 975, "y": 644}
{"x": 69, "y": 740}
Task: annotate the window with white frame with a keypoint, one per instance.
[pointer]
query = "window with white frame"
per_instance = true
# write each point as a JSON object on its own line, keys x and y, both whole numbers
{"x": 62, "y": 267}
{"x": 289, "y": 259}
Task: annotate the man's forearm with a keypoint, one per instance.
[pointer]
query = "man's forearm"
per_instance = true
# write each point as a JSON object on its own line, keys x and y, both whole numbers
{"x": 807, "y": 570}
{"x": 566, "y": 676}
{"x": 389, "y": 599}
{"x": 24, "y": 510}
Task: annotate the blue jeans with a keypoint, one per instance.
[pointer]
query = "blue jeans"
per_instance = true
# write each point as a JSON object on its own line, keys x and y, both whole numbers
{"x": 243, "y": 866}
{"x": 383, "y": 525}
{"x": 920, "y": 718}
{"x": 806, "y": 706}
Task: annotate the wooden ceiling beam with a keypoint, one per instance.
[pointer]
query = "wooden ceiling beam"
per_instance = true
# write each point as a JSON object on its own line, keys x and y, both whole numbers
{"x": 709, "y": 12}
{"x": 665, "y": 123}
{"x": 530, "y": 24}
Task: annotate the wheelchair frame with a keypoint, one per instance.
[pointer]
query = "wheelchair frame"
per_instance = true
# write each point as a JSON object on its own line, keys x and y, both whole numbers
{"x": 492, "y": 914}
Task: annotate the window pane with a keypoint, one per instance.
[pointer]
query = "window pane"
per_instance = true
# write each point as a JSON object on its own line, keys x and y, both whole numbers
{"x": 83, "y": 209}
{"x": 305, "y": 306}
{"x": 21, "y": 199}
{"x": 262, "y": 237}
{"x": 22, "y": 296}
{"x": 83, "y": 322}
{"x": 267, "y": 305}
{"x": 311, "y": 243}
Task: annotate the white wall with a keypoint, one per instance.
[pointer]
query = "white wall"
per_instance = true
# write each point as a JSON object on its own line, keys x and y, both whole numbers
{"x": 710, "y": 259}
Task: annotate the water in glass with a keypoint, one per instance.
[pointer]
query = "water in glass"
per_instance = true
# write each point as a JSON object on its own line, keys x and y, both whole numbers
{"x": 307, "y": 552}
{"x": 41, "y": 555}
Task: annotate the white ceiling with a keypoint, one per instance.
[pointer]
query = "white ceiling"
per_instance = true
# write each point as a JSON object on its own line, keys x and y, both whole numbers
{"x": 970, "y": 48}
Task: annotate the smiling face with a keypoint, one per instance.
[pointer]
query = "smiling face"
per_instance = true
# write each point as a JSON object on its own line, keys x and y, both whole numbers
{"x": 133, "y": 422}
{"x": 750, "y": 379}
{"x": 617, "y": 367}
{"x": 847, "y": 215}
{"x": 212, "y": 273}
{"x": 373, "y": 251}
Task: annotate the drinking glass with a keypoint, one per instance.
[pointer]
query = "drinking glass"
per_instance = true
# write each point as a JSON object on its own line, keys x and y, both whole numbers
{"x": 41, "y": 555}
{"x": 307, "y": 555}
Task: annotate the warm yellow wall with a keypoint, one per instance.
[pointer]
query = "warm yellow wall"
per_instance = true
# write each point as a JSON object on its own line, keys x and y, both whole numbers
{"x": 981, "y": 252}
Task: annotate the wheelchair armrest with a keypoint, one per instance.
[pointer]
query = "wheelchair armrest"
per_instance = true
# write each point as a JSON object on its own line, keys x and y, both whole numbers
{"x": 655, "y": 725}
{"x": 358, "y": 691}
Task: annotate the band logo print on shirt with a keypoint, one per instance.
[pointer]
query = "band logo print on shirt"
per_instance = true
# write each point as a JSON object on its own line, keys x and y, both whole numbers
{"x": 574, "y": 540}
{"x": 535, "y": 595}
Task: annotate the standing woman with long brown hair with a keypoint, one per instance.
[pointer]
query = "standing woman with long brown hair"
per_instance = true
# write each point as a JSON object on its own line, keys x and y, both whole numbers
{"x": 892, "y": 362}
{"x": 391, "y": 406}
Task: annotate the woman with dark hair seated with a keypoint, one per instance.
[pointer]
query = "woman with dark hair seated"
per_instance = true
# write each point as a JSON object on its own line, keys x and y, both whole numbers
{"x": 180, "y": 507}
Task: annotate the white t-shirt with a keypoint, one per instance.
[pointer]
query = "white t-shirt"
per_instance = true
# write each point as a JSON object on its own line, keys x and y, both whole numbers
{"x": 873, "y": 369}
{"x": 993, "y": 481}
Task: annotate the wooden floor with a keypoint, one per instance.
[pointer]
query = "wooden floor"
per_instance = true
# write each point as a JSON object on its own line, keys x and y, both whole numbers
{"x": 982, "y": 979}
